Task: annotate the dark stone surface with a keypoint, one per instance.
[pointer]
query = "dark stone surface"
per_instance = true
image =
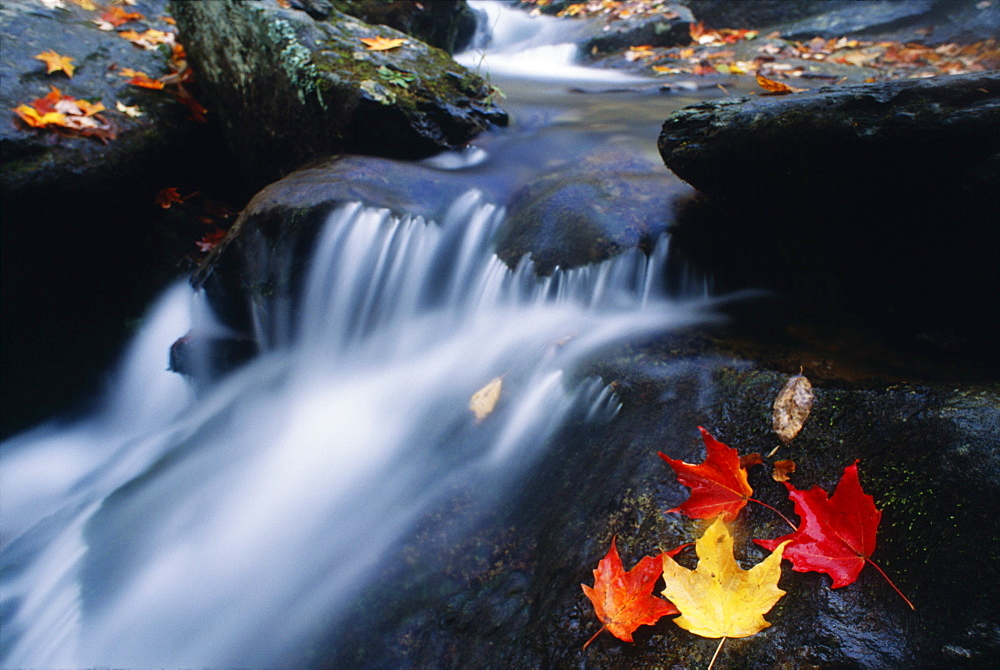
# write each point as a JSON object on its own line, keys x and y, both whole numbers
{"x": 288, "y": 88}
{"x": 84, "y": 247}
{"x": 445, "y": 24}
{"x": 875, "y": 201}
{"x": 606, "y": 202}
{"x": 666, "y": 29}
{"x": 509, "y": 596}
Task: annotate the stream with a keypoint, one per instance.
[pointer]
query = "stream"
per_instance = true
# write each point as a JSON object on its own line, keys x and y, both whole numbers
{"x": 235, "y": 526}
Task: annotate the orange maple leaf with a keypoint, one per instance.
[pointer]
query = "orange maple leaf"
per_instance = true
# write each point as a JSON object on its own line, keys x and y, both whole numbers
{"x": 56, "y": 62}
{"x": 623, "y": 601}
{"x": 148, "y": 40}
{"x": 168, "y": 196}
{"x": 116, "y": 16}
{"x": 380, "y": 43}
{"x": 775, "y": 87}
{"x": 141, "y": 79}
{"x": 33, "y": 118}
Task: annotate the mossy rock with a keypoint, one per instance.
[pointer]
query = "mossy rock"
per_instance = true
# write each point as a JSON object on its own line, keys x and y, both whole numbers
{"x": 289, "y": 88}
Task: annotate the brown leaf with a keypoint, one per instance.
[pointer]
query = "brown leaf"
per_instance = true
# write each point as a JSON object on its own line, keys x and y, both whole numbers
{"x": 792, "y": 407}
{"x": 380, "y": 43}
{"x": 782, "y": 470}
{"x": 775, "y": 87}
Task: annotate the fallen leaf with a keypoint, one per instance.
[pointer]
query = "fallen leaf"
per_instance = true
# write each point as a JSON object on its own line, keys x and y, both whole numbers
{"x": 150, "y": 39}
{"x": 782, "y": 470}
{"x": 837, "y": 534}
{"x": 718, "y": 485}
{"x": 116, "y": 16}
{"x": 33, "y": 118}
{"x": 128, "y": 110}
{"x": 623, "y": 601}
{"x": 168, "y": 196}
{"x": 56, "y": 62}
{"x": 719, "y": 598}
{"x": 210, "y": 240}
{"x": 775, "y": 87}
{"x": 791, "y": 408}
{"x": 485, "y": 399}
{"x": 380, "y": 43}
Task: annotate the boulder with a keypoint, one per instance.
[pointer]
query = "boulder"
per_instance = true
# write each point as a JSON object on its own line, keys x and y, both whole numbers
{"x": 876, "y": 201}
{"x": 288, "y": 88}
{"x": 605, "y": 202}
{"x": 84, "y": 245}
{"x": 509, "y": 595}
{"x": 667, "y": 26}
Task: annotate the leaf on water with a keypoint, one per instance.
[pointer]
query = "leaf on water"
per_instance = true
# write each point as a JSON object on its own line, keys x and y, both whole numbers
{"x": 719, "y": 598}
{"x": 56, "y": 62}
{"x": 485, "y": 399}
{"x": 623, "y": 601}
{"x": 782, "y": 470}
{"x": 792, "y": 407}
{"x": 380, "y": 43}
{"x": 718, "y": 485}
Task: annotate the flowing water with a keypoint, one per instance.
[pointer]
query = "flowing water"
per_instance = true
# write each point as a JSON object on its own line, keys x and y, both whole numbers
{"x": 234, "y": 526}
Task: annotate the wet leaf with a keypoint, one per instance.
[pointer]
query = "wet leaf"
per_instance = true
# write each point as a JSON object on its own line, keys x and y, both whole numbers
{"x": 623, "y": 601}
{"x": 380, "y": 43}
{"x": 837, "y": 534}
{"x": 167, "y": 197}
{"x": 782, "y": 470}
{"x": 117, "y": 16}
{"x": 775, "y": 87}
{"x": 718, "y": 485}
{"x": 719, "y": 598}
{"x": 128, "y": 110}
{"x": 484, "y": 401}
{"x": 56, "y": 62}
{"x": 792, "y": 407}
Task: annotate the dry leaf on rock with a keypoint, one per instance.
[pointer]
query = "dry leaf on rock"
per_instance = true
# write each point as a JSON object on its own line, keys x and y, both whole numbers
{"x": 792, "y": 407}
{"x": 782, "y": 470}
{"x": 380, "y": 43}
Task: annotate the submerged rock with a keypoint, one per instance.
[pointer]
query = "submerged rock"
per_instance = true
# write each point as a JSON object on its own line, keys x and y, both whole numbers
{"x": 874, "y": 201}
{"x": 287, "y": 88}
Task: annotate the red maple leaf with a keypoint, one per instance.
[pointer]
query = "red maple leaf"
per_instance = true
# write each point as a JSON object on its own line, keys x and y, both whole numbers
{"x": 623, "y": 601}
{"x": 837, "y": 534}
{"x": 718, "y": 486}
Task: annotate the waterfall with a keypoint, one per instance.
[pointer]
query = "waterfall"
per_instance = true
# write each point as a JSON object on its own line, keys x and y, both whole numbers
{"x": 219, "y": 530}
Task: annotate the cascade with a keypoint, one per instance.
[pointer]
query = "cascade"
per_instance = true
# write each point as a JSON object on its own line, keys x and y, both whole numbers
{"x": 232, "y": 527}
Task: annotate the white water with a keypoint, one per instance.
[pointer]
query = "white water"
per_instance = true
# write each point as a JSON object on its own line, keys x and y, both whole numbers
{"x": 166, "y": 530}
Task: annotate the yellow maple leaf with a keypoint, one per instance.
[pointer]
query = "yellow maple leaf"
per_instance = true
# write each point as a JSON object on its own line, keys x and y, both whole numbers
{"x": 56, "y": 62}
{"x": 380, "y": 43}
{"x": 719, "y": 598}
{"x": 31, "y": 116}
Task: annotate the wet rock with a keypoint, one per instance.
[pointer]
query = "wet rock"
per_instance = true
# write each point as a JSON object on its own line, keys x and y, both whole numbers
{"x": 606, "y": 202}
{"x": 288, "y": 88}
{"x": 874, "y": 201}
{"x": 288, "y": 215}
{"x": 445, "y": 24}
{"x": 78, "y": 213}
{"x": 667, "y": 27}
{"x": 509, "y": 595}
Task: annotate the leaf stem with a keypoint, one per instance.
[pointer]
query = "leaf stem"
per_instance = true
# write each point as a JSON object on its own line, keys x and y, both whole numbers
{"x": 894, "y": 587}
{"x": 592, "y": 637}
{"x": 716, "y": 655}
{"x": 759, "y": 502}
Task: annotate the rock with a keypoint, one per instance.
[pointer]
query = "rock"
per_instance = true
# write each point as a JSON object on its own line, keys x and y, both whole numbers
{"x": 510, "y": 594}
{"x": 445, "y": 24}
{"x": 289, "y": 214}
{"x": 588, "y": 211}
{"x": 84, "y": 246}
{"x": 928, "y": 21}
{"x": 287, "y": 88}
{"x": 667, "y": 27}
{"x": 875, "y": 201}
